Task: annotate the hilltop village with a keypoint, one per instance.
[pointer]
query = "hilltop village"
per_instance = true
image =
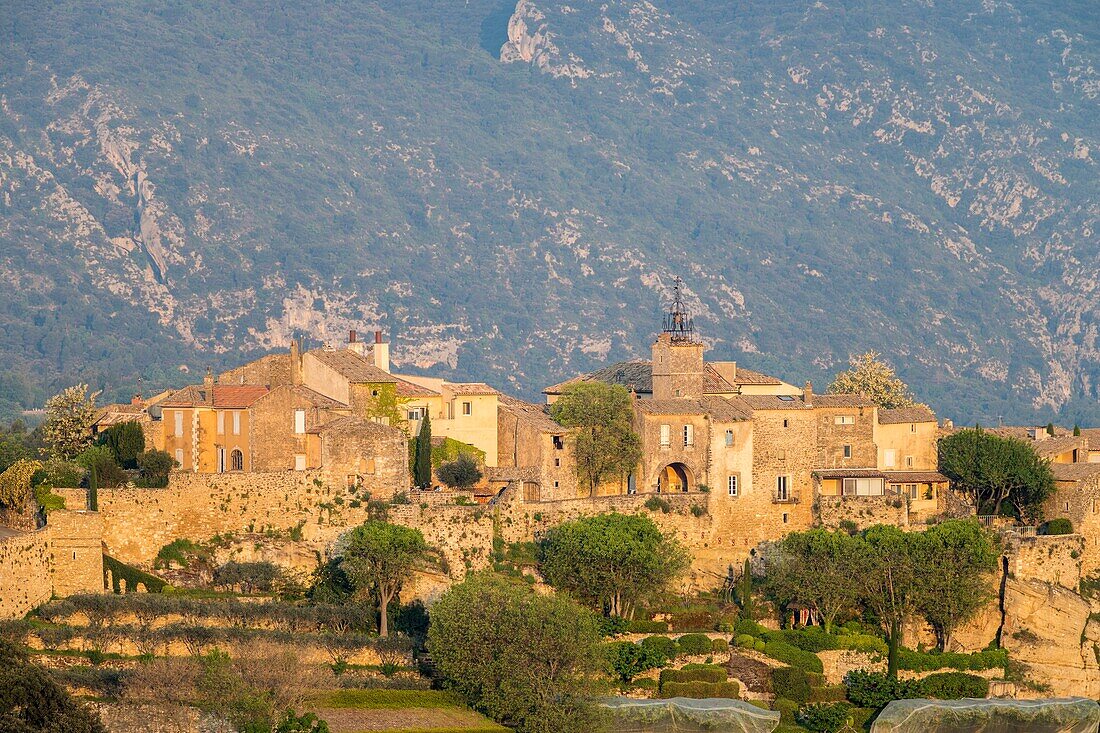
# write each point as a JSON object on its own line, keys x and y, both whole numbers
{"x": 276, "y": 461}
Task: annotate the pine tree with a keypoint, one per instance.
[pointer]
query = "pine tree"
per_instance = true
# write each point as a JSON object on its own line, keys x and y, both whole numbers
{"x": 422, "y": 467}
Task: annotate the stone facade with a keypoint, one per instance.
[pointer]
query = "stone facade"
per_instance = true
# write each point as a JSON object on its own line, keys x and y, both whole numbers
{"x": 863, "y": 511}
{"x": 1077, "y": 498}
{"x": 76, "y": 559}
{"x": 25, "y": 580}
{"x": 677, "y": 368}
{"x": 357, "y": 452}
{"x": 1054, "y": 559}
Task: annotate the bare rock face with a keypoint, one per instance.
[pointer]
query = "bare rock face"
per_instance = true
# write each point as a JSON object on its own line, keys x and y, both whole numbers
{"x": 1048, "y": 629}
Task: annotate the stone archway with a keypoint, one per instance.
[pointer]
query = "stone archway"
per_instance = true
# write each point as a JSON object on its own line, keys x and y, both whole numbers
{"x": 674, "y": 478}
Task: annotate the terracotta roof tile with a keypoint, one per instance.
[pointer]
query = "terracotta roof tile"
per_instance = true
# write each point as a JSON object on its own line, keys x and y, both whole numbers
{"x": 318, "y": 399}
{"x": 916, "y": 477}
{"x": 534, "y": 415}
{"x": 471, "y": 389}
{"x": 718, "y": 408}
{"x": 406, "y": 388}
{"x": 226, "y": 396}
{"x": 1074, "y": 471}
{"x": 637, "y": 374}
{"x": 899, "y": 415}
{"x": 841, "y": 400}
{"x": 353, "y": 367}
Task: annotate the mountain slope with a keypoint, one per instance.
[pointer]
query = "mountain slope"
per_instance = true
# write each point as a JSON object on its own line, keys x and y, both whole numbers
{"x": 509, "y": 188}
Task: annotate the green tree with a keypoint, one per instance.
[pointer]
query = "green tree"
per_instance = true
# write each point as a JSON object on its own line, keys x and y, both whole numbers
{"x": 69, "y": 416}
{"x": 422, "y": 459}
{"x": 815, "y": 569}
{"x": 604, "y": 442}
{"x": 100, "y": 460}
{"x": 15, "y": 484}
{"x": 154, "y": 467}
{"x": 379, "y": 558}
{"x": 744, "y": 591}
{"x": 871, "y": 376}
{"x": 626, "y": 660}
{"x": 991, "y": 470}
{"x": 461, "y": 473}
{"x": 960, "y": 555}
{"x": 611, "y": 561}
{"x": 524, "y": 659}
{"x": 16, "y": 444}
{"x": 892, "y": 571}
{"x": 31, "y": 702}
{"x": 126, "y": 441}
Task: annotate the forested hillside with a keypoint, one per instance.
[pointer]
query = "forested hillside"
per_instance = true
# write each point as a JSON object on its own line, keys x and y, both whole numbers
{"x": 509, "y": 189}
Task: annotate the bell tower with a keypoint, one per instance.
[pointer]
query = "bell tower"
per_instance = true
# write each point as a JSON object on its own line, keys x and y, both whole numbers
{"x": 677, "y": 354}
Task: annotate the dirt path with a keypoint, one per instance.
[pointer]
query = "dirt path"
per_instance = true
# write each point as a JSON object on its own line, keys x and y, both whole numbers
{"x": 347, "y": 720}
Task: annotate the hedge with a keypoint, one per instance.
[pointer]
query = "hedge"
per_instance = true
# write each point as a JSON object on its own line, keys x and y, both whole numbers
{"x": 663, "y": 646}
{"x": 745, "y": 641}
{"x": 793, "y": 656}
{"x": 746, "y": 626}
{"x": 719, "y": 645}
{"x": 791, "y": 684}
{"x": 694, "y": 644}
{"x": 825, "y": 718}
{"x": 875, "y": 689}
{"x": 645, "y": 626}
{"x": 701, "y": 690}
{"x": 1058, "y": 525}
{"x": 699, "y": 673}
{"x": 788, "y": 710}
{"x": 931, "y": 661}
{"x": 954, "y": 685}
{"x": 132, "y": 576}
{"x": 830, "y": 693}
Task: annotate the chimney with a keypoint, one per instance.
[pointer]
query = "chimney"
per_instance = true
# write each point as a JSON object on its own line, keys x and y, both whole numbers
{"x": 381, "y": 352}
{"x": 354, "y": 344}
{"x": 136, "y": 400}
{"x": 295, "y": 363}
{"x": 353, "y": 336}
{"x": 808, "y": 393}
{"x": 208, "y": 385}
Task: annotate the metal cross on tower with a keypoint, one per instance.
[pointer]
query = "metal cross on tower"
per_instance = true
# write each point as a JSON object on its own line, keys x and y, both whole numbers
{"x": 678, "y": 321}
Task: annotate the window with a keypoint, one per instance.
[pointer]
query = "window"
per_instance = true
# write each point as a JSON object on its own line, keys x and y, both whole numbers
{"x": 236, "y": 422}
{"x": 863, "y": 487}
{"x": 666, "y": 436}
{"x": 731, "y": 485}
{"x": 729, "y": 438}
{"x": 370, "y": 467}
{"x": 631, "y": 484}
{"x": 179, "y": 454}
{"x": 555, "y": 484}
{"x": 416, "y": 413}
{"x": 890, "y": 457}
{"x": 689, "y": 435}
{"x": 782, "y": 489}
{"x": 557, "y": 463}
{"x": 786, "y": 423}
{"x": 844, "y": 420}
{"x": 559, "y": 442}
{"x": 221, "y": 423}
{"x": 912, "y": 427}
{"x": 178, "y": 415}
{"x": 236, "y": 459}
{"x": 299, "y": 462}
{"x": 911, "y": 491}
{"x": 784, "y": 517}
{"x": 895, "y": 489}
{"x": 299, "y": 422}
{"x": 467, "y": 408}
{"x": 847, "y": 451}
{"x": 909, "y": 461}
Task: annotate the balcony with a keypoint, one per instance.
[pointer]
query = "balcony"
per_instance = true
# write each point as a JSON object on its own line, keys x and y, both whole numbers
{"x": 784, "y": 497}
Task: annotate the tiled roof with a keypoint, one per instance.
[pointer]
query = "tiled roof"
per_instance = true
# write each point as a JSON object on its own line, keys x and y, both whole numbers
{"x": 637, "y": 374}
{"x": 226, "y": 396}
{"x": 318, "y": 399}
{"x": 352, "y": 424}
{"x": 353, "y": 367}
{"x": 406, "y": 388}
{"x": 919, "y": 413}
{"x": 471, "y": 389}
{"x": 930, "y": 477}
{"x": 1057, "y": 444}
{"x": 534, "y": 415}
{"x": 1074, "y": 471}
{"x": 841, "y": 400}
{"x": 718, "y": 408}
{"x": 725, "y": 410}
{"x": 771, "y": 402}
{"x": 1023, "y": 432}
{"x": 108, "y": 418}
{"x": 849, "y": 473}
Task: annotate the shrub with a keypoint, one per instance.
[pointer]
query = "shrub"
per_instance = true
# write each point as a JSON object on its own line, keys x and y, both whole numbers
{"x": 810, "y": 640}
{"x": 825, "y": 717}
{"x": 697, "y": 510}
{"x": 788, "y": 710}
{"x": 645, "y": 626}
{"x": 613, "y": 625}
{"x": 954, "y": 685}
{"x": 179, "y": 551}
{"x": 664, "y": 647}
{"x": 791, "y": 683}
{"x": 931, "y": 661}
{"x": 644, "y": 683}
{"x": 461, "y": 473}
{"x": 760, "y": 645}
{"x": 719, "y": 646}
{"x": 831, "y": 693}
{"x": 750, "y": 627}
{"x": 875, "y": 689}
{"x": 701, "y": 690}
{"x": 694, "y": 644}
{"x": 697, "y": 673}
{"x": 865, "y": 643}
{"x": 249, "y": 576}
{"x": 745, "y": 641}
{"x": 626, "y": 660}
{"x": 657, "y": 504}
{"x": 795, "y": 657}
{"x": 1059, "y": 525}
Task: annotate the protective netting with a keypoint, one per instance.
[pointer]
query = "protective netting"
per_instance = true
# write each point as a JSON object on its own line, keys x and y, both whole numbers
{"x": 1063, "y": 715}
{"x": 683, "y": 714}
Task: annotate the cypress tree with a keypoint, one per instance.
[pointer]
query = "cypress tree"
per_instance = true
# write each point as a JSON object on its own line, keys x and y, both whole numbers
{"x": 93, "y": 490}
{"x": 1077, "y": 431}
{"x": 745, "y": 592}
{"x": 422, "y": 467}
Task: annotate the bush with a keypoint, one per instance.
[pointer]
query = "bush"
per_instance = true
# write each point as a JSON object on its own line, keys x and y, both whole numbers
{"x": 645, "y": 683}
{"x": 1059, "y": 525}
{"x": 694, "y": 644}
{"x": 865, "y": 643}
{"x": 825, "y": 718}
{"x": 701, "y": 690}
{"x": 645, "y": 626}
{"x": 791, "y": 683}
{"x": 759, "y": 645}
{"x": 613, "y": 625}
{"x": 626, "y": 660}
{"x": 153, "y": 469}
{"x": 664, "y": 647}
{"x": 461, "y": 473}
{"x": 875, "y": 689}
{"x": 931, "y": 661}
{"x": 795, "y": 657}
{"x": 788, "y": 710}
{"x": 125, "y": 441}
{"x": 696, "y": 673}
{"x": 251, "y": 577}
{"x": 719, "y": 646}
{"x": 745, "y": 641}
{"x": 747, "y": 626}
{"x": 954, "y": 685}
{"x": 831, "y": 693}
{"x": 657, "y": 504}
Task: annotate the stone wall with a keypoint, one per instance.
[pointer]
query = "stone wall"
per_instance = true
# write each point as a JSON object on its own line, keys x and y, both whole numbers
{"x": 24, "y": 572}
{"x": 1054, "y": 559}
{"x": 138, "y": 522}
{"x": 77, "y": 552}
{"x": 863, "y": 510}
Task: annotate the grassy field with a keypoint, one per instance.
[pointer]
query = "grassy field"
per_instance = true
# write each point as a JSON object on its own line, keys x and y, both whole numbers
{"x": 399, "y": 711}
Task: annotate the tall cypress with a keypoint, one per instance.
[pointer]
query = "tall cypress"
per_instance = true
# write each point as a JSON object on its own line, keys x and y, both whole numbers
{"x": 93, "y": 490}
{"x": 422, "y": 467}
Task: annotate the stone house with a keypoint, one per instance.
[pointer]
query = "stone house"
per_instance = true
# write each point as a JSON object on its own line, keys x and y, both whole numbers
{"x": 1077, "y": 498}
{"x": 208, "y": 427}
{"x": 528, "y": 438}
{"x": 355, "y": 452}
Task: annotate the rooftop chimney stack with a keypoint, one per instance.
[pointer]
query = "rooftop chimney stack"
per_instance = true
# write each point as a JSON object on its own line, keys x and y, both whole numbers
{"x": 808, "y": 393}
{"x": 380, "y": 350}
{"x": 295, "y": 363}
{"x": 354, "y": 344}
{"x": 208, "y": 384}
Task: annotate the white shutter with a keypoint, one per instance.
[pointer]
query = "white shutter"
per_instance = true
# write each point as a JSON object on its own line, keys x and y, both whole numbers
{"x": 689, "y": 435}
{"x": 236, "y": 422}
{"x": 666, "y": 432}
{"x": 299, "y": 421}
{"x": 890, "y": 457}
{"x": 221, "y": 423}
{"x": 299, "y": 462}
{"x": 178, "y": 415}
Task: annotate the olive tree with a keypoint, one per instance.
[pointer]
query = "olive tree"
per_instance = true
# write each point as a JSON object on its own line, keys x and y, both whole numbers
{"x": 816, "y": 569}
{"x": 960, "y": 556}
{"x": 379, "y": 557}
{"x": 992, "y": 470}
{"x": 604, "y": 441}
{"x": 524, "y": 659}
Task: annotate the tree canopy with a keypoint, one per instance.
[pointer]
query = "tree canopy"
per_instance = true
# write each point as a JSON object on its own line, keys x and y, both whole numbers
{"x": 604, "y": 441}
{"x": 126, "y": 442}
{"x": 422, "y": 454}
{"x": 814, "y": 569}
{"x": 461, "y": 473}
{"x": 379, "y": 557}
{"x": 960, "y": 555}
{"x": 15, "y": 484}
{"x": 993, "y": 471}
{"x": 612, "y": 561}
{"x": 868, "y": 374}
{"x": 524, "y": 659}
{"x": 69, "y": 415}
{"x": 31, "y": 702}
